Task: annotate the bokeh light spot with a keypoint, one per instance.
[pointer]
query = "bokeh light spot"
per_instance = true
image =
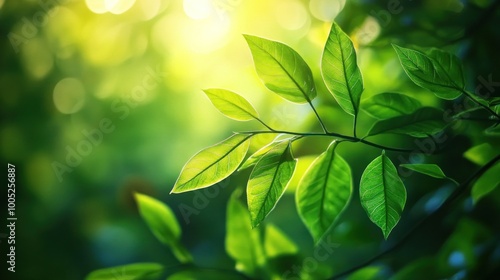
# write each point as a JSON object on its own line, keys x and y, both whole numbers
{"x": 96, "y": 6}
{"x": 291, "y": 15}
{"x": 118, "y": 6}
{"x": 326, "y": 10}
{"x": 69, "y": 95}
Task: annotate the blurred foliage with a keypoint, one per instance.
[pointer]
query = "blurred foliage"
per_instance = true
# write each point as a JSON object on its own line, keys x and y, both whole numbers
{"x": 101, "y": 99}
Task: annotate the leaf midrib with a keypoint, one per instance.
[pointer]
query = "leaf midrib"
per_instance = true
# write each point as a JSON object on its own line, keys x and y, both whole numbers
{"x": 279, "y": 164}
{"x": 215, "y": 162}
{"x": 288, "y": 74}
{"x": 323, "y": 191}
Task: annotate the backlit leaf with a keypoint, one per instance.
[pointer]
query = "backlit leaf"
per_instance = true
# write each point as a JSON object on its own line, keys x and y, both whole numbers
{"x": 163, "y": 223}
{"x": 282, "y": 69}
{"x": 242, "y": 242}
{"x": 422, "y": 123}
{"x": 432, "y": 170}
{"x": 213, "y": 164}
{"x": 276, "y": 243}
{"x": 231, "y": 104}
{"x": 268, "y": 181}
{"x": 437, "y": 71}
{"x": 388, "y": 105}
{"x": 324, "y": 192}
{"x": 340, "y": 70}
{"x": 487, "y": 183}
{"x": 382, "y": 193}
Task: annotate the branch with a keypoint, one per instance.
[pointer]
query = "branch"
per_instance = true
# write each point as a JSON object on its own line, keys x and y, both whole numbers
{"x": 461, "y": 189}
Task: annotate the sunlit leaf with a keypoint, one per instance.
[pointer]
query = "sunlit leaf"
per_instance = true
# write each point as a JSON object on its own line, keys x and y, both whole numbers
{"x": 276, "y": 243}
{"x": 487, "y": 183}
{"x": 268, "y": 181}
{"x": 231, "y": 104}
{"x": 136, "y": 271}
{"x": 282, "y": 69}
{"x": 213, "y": 164}
{"x": 255, "y": 157}
{"x": 482, "y": 153}
{"x": 432, "y": 170}
{"x": 205, "y": 274}
{"x": 422, "y": 123}
{"x": 163, "y": 223}
{"x": 243, "y": 244}
{"x": 340, "y": 70}
{"x": 388, "y": 105}
{"x": 438, "y": 71}
{"x": 382, "y": 193}
{"x": 324, "y": 192}
{"x": 370, "y": 272}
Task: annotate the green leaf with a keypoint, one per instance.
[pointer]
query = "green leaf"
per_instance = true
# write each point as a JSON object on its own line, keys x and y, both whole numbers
{"x": 136, "y": 271}
{"x": 369, "y": 272}
{"x": 276, "y": 243}
{"x": 162, "y": 222}
{"x": 255, "y": 157}
{"x": 388, "y": 105}
{"x": 432, "y": 170}
{"x": 232, "y": 105}
{"x": 205, "y": 274}
{"x": 268, "y": 181}
{"x": 382, "y": 193}
{"x": 422, "y": 123}
{"x": 324, "y": 192}
{"x": 213, "y": 164}
{"x": 437, "y": 71}
{"x": 282, "y": 69}
{"x": 487, "y": 183}
{"x": 481, "y": 154}
{"x": 242, "y": 243}
{"x": 340, "y": 70}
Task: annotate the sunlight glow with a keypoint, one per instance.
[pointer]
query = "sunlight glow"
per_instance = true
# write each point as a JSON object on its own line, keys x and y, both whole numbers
{"x": 198, "y": 9}
{"x": 96, "y": 6}
{"x": 118, "y": 6}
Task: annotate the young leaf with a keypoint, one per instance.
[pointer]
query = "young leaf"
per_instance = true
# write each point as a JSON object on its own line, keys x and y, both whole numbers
{"x": 432, "y": 170}
{"x": 340, "y": 70}
{"x": 242, "y": 243}
{"x": 137, "y": 271}
{"x": 439, "y": 71}
{"x": 422, "y": 123}
{"x": 388, "y": 105}
{"x": 324, "y": 192}
{"x": 232, "y": 105}
{"x": 282, "y": 69}
{"x": 255, "y": 157}
{"x": 382, "y": 193}
{"x": 268, "y": 181}
{"x": 162, "y": 222}
{"x": 213, "y": 164}
{"x": 487, "y": 183}
{"x": 276, "y": 243}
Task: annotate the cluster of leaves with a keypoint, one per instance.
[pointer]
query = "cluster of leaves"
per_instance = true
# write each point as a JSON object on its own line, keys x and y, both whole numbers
{"x": 326, "y": 188}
